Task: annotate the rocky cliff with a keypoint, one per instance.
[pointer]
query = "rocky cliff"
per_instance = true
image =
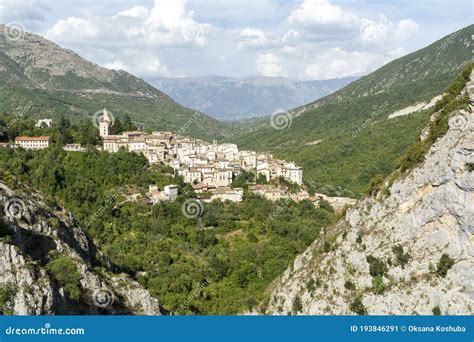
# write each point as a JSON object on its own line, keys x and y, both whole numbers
{"x": 406, "y": 251}
{"x": 32, "y": 236}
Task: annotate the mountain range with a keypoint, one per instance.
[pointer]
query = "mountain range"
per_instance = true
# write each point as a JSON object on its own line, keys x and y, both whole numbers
{"x": 346, "y": 138}
{"x": 404, "y": 248}
{"x": 232, "y": 99}
{"x": 342, "y": 140}
{"x": 41, "y": 79}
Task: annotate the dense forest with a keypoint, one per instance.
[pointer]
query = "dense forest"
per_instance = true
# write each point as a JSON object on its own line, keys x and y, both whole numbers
{"x": 219, "y": 262}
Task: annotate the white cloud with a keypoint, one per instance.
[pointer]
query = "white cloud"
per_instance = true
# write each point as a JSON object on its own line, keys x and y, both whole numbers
{"x": 29, "y": 11}
{"x": 166, "y": 24}
{"x": 73, "y": 28}
{"x": 317, "y": 13}
{"x": 317, "y": 39}
{"x": 134, "y": 12}
{"x": 141, "y": 65}
{"x": 268, "y": 64}
{"x": 251, "y": 38}
{"x": 406, "y": 28}
{"x": 338, "y": 63}
{"x": 384, "y": 31}
{"x": 130, "y": 39}
{"x": 374, "y": 30}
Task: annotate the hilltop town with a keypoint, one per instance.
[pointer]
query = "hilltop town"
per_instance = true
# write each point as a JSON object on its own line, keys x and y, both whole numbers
{"x": 209, "y": 167}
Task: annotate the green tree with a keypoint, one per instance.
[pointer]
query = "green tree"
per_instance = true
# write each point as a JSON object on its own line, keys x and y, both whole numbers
{"x": 358, "y": 307}
{"x": 444, "y": 265}
{"x": 64, "y": 271}
{"x": 297, "y": 306}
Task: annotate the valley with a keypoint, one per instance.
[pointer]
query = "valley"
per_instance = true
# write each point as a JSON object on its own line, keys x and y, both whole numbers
{"x": 356, "y": 203}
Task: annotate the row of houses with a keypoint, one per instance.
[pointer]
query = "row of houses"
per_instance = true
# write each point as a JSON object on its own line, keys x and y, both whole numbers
{"x": 205, "y": 164}
{"x": 210, "y": 167}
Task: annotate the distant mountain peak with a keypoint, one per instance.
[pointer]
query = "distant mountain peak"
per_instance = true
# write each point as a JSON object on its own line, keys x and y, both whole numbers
{"x": 229, "y": 98}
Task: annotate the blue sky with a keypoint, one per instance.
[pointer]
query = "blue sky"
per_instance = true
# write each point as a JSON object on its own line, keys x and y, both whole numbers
{"x": 305, "y": 39}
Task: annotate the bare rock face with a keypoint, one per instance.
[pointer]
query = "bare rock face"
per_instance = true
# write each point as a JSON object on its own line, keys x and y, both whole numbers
{"x": 419, "y": 241}
{"x": 38, "y": 234}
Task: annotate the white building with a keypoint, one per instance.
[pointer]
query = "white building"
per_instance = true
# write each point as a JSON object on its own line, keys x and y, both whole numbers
{"x": 44, "y": 123}
{"x": 170, "y": 193}
{"x": 105, "y": 123}
{"x": 293, "y": 173}
{"x": 33, "y": 143}
{"x": 227, "y": 194}
{"x": 74, "y": 148}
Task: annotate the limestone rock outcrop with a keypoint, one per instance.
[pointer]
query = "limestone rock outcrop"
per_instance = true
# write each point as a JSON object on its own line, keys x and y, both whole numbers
{"x": 32, "y": 235}
{"x": 408, "y": 251}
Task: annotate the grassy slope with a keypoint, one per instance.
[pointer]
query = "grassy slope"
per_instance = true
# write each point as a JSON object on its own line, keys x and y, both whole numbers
{"x": 347, "y": 161}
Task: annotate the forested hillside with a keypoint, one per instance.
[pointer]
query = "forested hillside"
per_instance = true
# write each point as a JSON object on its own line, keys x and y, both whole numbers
{"x": 218, "y": 262}
{"x": 346, "y": 138}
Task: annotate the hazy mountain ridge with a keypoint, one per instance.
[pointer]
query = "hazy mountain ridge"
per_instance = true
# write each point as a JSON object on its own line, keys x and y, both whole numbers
{"x": 228, "y": 98}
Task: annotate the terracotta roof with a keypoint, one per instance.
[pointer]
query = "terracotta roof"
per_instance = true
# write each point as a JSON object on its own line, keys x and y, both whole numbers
{"x": 25, "y": 138}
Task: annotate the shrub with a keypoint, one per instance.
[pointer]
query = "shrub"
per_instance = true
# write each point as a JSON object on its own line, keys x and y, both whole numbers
{"x": 414, "y": 155}
{"x": 64, "y": 272}
{"x": 5, "y": 230}
{"x": 311, "y": 285}
{"x": 7, "y": 294}
{"x": 401, "y": 257}
{"x": 359, "y": 238}
{"x": 376, "y": 266}
{"x": 358, "y": 307}
{"x": 323, "y": 204}
{"x": 375, "y": 183}
{"x": 444, "y": 264}
{"x": 349, "y": 285}
{"x": 377, "y": 285}
{"x": 297, "y": 305}
{"x": 436, "y": 311}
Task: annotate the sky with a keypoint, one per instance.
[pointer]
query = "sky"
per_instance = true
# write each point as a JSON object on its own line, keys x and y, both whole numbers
{"x": 302, "y": 39}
